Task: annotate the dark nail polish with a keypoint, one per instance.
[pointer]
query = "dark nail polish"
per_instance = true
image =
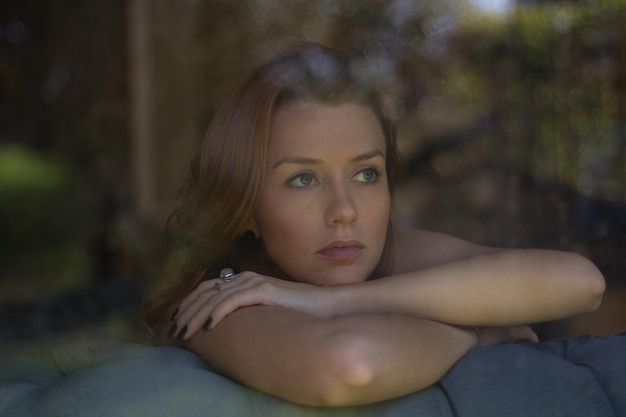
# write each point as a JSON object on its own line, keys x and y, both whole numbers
{"x": 207, "y": 323}
{"x": 170, "y": 334}
{"x": 174, "y": 314}
{"x": 181, "y": 334}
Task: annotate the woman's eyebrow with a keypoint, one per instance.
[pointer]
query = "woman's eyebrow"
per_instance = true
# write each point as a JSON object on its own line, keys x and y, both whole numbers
{"x": 296, "y": 160}
{"x": 314, "y": 161}
{"x": 368, "y": 155}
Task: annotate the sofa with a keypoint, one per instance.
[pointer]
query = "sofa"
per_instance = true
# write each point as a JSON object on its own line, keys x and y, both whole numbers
{"x": 80, "y": 375}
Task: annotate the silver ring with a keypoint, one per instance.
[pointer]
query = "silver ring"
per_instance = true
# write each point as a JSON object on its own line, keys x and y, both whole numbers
{"x": 227, "y": 274}
{"x": 217, "y": 286}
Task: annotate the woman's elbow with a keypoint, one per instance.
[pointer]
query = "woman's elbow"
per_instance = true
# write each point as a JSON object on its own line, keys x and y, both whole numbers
{"x": 591, "y": 283}
{"x": 350, "y": 370}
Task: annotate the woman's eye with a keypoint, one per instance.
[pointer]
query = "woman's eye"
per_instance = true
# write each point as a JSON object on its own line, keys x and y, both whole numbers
{"x": 367, "y": 175}
{"x": 302, "y": 180}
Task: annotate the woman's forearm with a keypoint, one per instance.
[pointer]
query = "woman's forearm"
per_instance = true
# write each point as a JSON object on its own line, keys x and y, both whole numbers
{"x": 497, "y": 288}
{"x": 340, "y": 361}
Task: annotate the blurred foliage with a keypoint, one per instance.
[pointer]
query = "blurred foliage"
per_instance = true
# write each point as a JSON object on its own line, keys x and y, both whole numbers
{"x": 553, "y": 78}
{"x": 47, "y": 221}
{"x": 66, "y": 94}
{"x": 64, "y": 141}
{"x": 544, "y": 97}
{"x": 22, "y": 170}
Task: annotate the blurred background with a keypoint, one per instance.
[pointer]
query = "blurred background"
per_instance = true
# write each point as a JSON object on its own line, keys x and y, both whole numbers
{"x": 512, "y": 119}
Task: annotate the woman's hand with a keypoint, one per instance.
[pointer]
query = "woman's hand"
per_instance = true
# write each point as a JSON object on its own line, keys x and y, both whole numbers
{"x": 504, "y": 334}
{"x": 212, "y": 300}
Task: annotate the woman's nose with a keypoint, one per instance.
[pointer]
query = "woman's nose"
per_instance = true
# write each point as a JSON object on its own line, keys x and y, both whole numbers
{"x": 341, "y": 209}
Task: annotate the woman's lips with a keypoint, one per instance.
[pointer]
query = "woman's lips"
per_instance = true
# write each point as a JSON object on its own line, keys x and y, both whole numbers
{"x": 341, "y": 251}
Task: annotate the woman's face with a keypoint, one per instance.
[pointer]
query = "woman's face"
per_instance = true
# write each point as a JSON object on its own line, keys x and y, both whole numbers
{"x": 324, "y": 209}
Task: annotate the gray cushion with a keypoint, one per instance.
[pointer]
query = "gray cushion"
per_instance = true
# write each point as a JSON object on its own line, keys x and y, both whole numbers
{"x": 82, "y": 376}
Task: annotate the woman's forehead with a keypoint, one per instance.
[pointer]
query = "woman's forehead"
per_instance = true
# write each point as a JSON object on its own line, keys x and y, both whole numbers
{"x": 312, "y": 127}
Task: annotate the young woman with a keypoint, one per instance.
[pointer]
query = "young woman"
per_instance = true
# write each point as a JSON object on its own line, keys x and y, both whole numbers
{"x": 329, "y": 304}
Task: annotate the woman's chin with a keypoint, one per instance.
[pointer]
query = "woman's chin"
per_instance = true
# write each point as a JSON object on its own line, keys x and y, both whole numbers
{"x": 343, "y": 277}
{"x": 326, "y": 276}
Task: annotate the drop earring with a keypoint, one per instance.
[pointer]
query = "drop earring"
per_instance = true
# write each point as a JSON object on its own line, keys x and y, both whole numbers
{"x": 249, "y": 236}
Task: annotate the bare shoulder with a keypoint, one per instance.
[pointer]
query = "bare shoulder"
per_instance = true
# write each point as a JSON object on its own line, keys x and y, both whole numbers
{"x": 417, "y": 249}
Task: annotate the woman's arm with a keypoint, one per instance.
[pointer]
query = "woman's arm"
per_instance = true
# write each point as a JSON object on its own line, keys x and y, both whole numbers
{"x": 437, "y": 278}
{"x": 337, "y": 361}
{"x": 446, "y": 279}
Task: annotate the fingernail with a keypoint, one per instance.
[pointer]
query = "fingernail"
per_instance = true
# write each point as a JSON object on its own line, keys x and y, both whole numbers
{"x": 207, "y": 323}
{"x": 174, "y": 314}
{"x": 170, "y": 334}
{"x": 181, "y": 334}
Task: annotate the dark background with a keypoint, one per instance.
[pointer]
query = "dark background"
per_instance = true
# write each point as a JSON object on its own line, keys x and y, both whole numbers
{"x": 513, "y": 126}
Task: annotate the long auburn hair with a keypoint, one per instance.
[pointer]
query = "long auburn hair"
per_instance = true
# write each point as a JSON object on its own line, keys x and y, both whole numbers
{"x": 229, "y": 172}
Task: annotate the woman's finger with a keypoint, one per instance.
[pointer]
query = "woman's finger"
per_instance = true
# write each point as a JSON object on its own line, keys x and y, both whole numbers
{"x": 249, "y": 295}
{"x": 197, "y": 310}
{"x": 180, "y": 326}
{"x": 204, "y": 285}
{"x": 529, "y": 335}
